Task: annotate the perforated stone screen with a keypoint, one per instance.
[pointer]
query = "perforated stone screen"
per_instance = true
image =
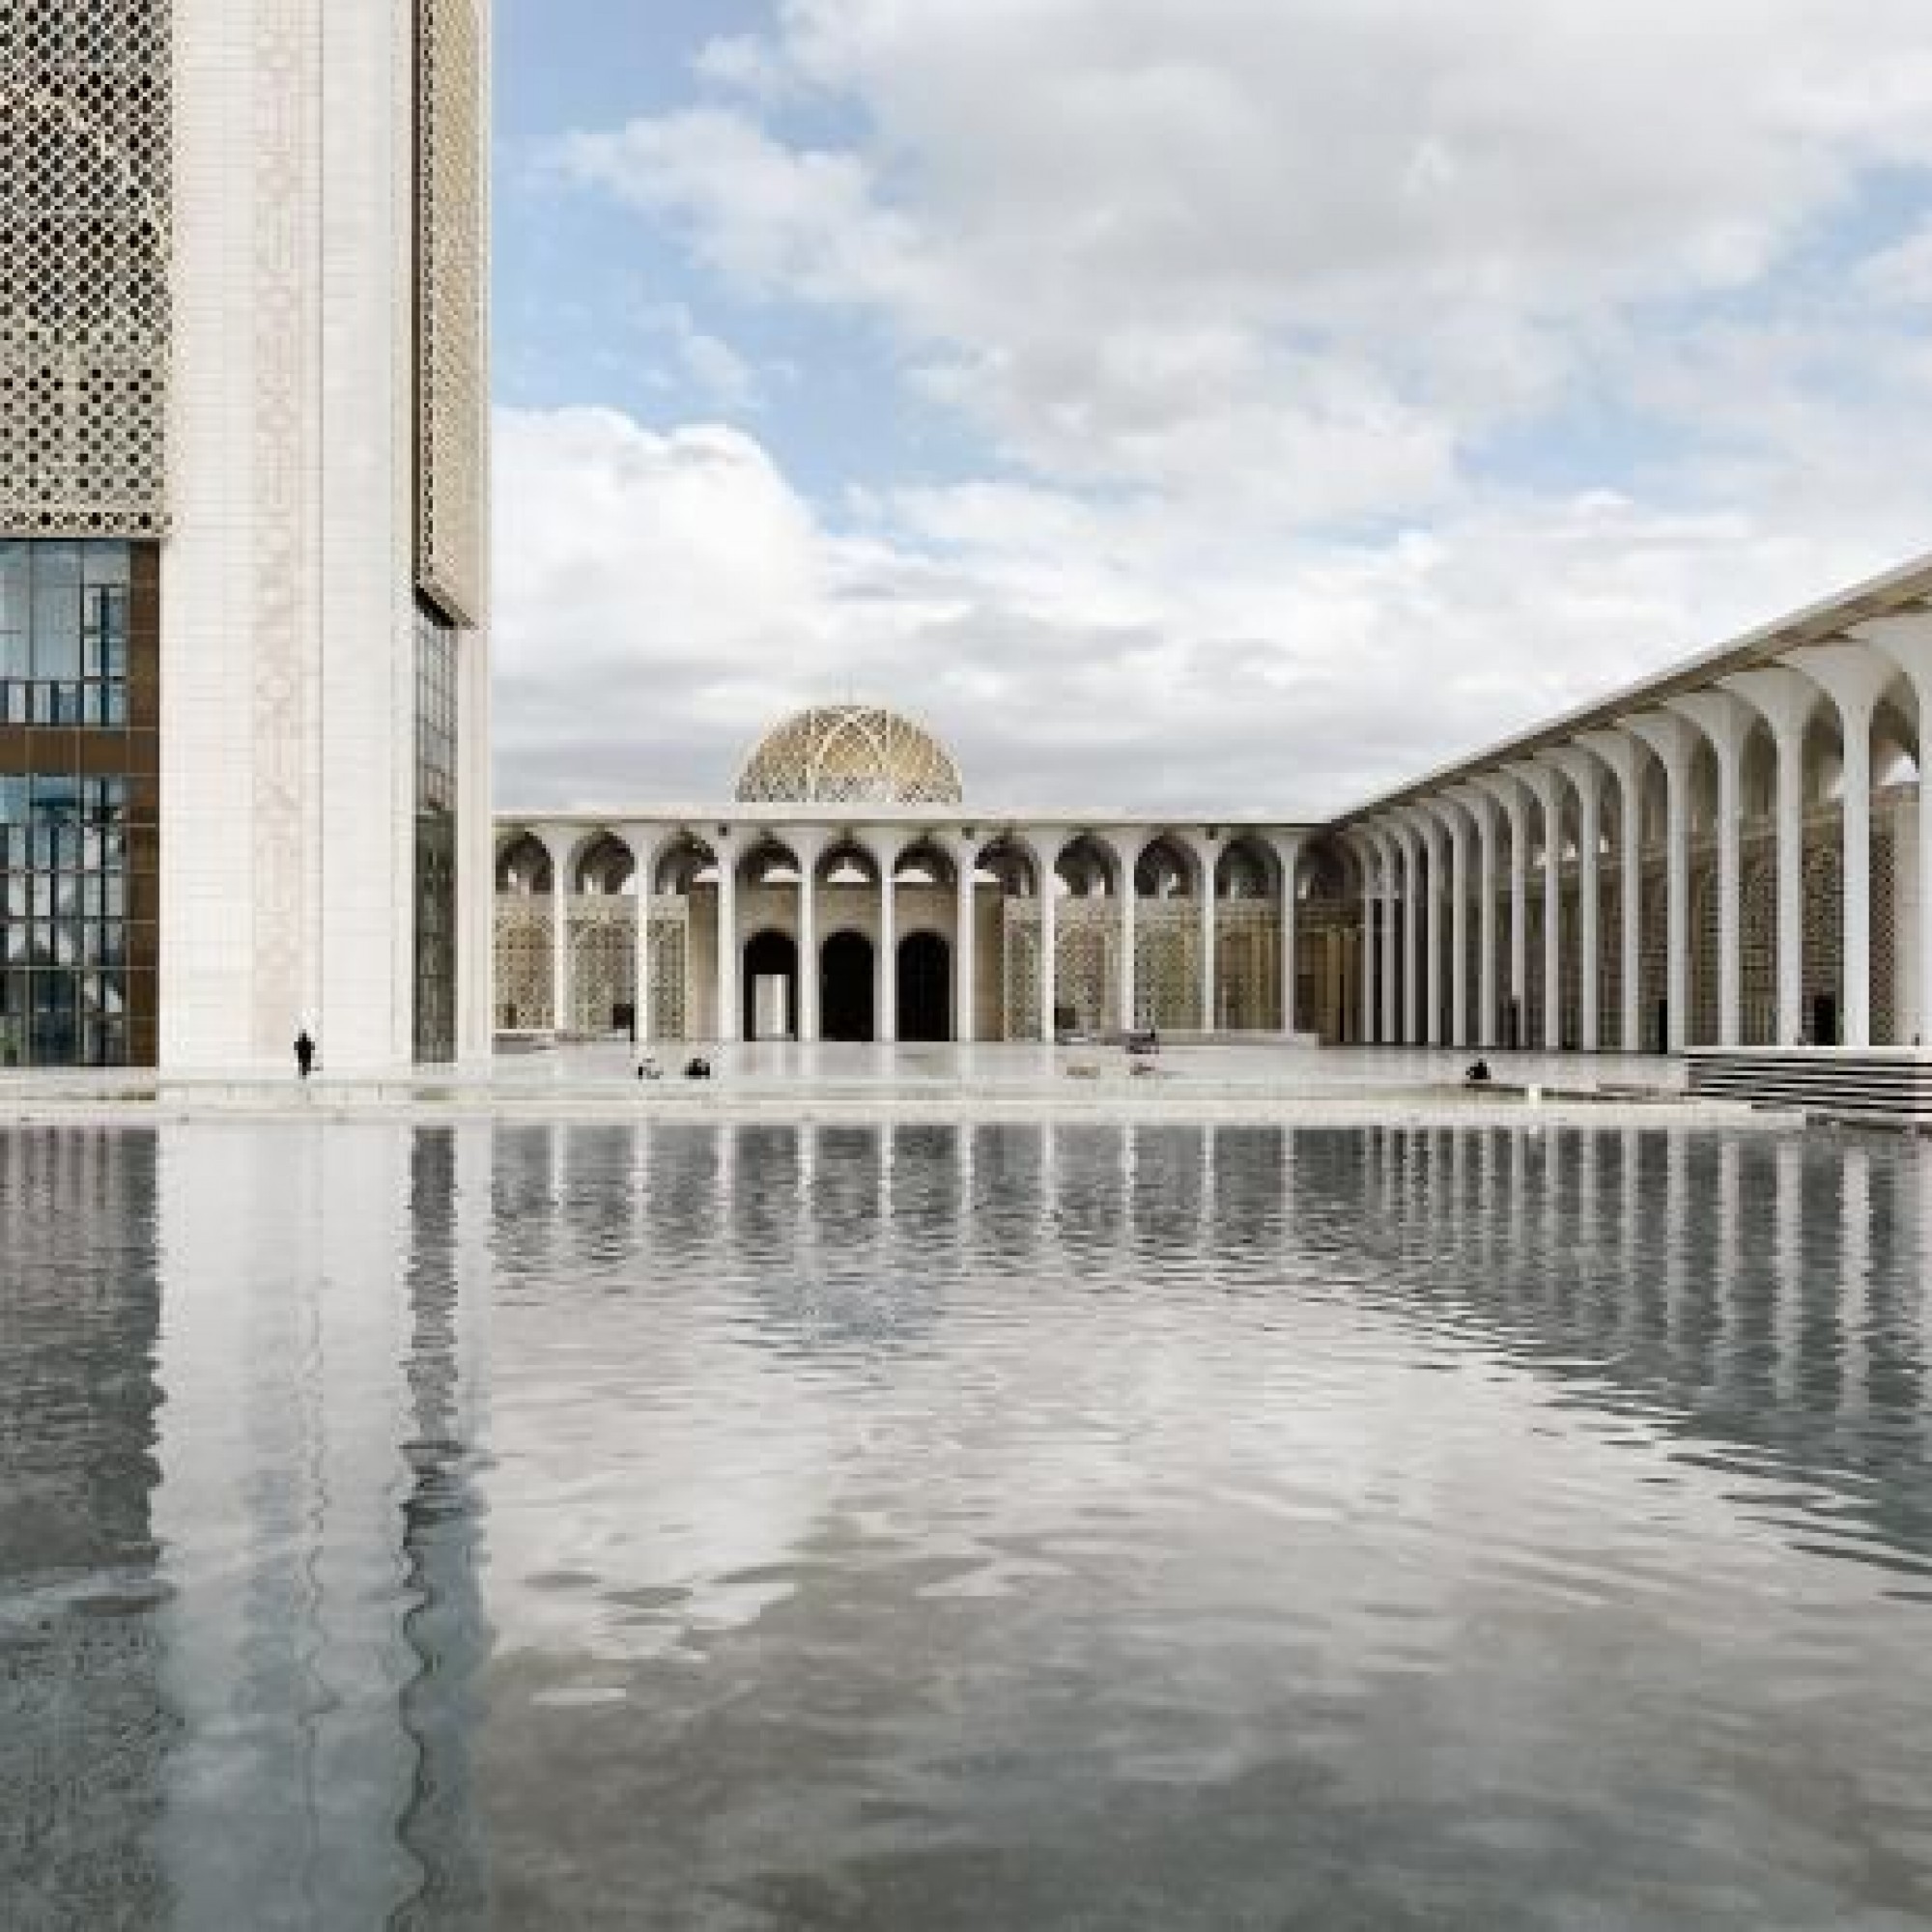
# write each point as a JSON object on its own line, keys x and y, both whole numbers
{"x": 85, "y": 186}
{"x": 451, "y": 219}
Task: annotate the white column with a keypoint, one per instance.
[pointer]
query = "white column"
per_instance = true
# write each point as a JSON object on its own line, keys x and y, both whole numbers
{"x": 1480, "y": 808}
{"x": 1723, "y": 719}
{"x": 1625, "y": 756}
{"x": 1785, "y": 701}
{"x": 1128, "y": 845}
{"x": 965, "y": 848}
{"x": 808, "y": 847}
{"x": 645, "y": 841}
{"x": 1391, "y": 1027}
{"x": 886, "y": 846}
{"x": 1509, "y": 794}
{"x": 1045, "y": 846}
{"x": 730, "y": 1022}
{"x": 1207, "y": 854}
{"x": 1369, "y": 859}
{"x": 1436, "y": 979}
{"x": 1586, "y": 778}
{"x": 1854, "y": 676}
{"x": 1545, "y": 787}
{"x": 1411, "y": 933}
{"x": 1907, "y": 640}
{"x": 1673, "y": 739}
{"x": 1287, "y": 856}
{"x": 1457, "y": 821}
{"x": 560, "y": 842}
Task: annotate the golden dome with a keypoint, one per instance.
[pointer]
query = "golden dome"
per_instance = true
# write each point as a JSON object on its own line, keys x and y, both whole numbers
{"x": 846, "y": 754}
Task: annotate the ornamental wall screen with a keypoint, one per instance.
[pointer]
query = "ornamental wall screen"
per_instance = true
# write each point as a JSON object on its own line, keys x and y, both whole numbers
{"x": 85, "y": 324}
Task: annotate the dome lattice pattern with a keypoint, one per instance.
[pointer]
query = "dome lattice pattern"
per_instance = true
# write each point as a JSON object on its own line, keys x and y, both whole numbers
{"x": 849, "y": 755}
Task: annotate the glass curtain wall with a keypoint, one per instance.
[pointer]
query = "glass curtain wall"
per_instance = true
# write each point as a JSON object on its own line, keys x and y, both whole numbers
{"x": 437, "y": 642}
{"x": 79, "y": 782}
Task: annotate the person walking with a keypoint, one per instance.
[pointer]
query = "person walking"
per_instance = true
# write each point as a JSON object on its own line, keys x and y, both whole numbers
{"x": 304, "y": 1054}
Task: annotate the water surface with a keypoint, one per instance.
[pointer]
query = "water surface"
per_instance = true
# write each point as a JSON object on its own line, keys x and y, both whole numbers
{"x": 757, "y": 1526}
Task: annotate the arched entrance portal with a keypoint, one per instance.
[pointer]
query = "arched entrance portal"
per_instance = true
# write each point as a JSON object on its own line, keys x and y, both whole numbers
{"x": 845, "y": 987}
{"x": 771, "y": 988}
{"x": 925, "y": 987}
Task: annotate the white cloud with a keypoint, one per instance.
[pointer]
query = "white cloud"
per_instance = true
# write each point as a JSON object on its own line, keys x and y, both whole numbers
{"x": 664, "y": 597}
{"x": 1241, "y": 300}
{"x": 1311, "y": 251}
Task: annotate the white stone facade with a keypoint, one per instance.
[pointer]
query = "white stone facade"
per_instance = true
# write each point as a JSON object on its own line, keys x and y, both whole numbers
{"x": 289, "y": 582}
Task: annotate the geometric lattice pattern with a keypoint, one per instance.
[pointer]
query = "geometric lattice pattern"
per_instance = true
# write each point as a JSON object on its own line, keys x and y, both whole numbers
{"x": 1247, "y": 967}
{"x": 849, "y": 754}
{"x": 603, "y": 960}
{"x": 451, "y": 248}
{"x": 1087, "y": 944}
{"x": 523, "y": 957}
{"x": 670, "y": 966}
{"x": 1020, "y": 965}
{"x": 85, "y": 197}
{"x": 1167, "y": 965}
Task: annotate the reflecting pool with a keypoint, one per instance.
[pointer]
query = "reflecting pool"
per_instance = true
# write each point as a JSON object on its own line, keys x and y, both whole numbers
{"x": 964, "y": 1528}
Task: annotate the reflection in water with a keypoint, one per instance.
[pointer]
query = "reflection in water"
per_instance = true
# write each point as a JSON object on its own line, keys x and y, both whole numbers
{"x": 963, "y": 1526}
{"x": 446, "y": 1624}
{"x": 83, "y": 1729}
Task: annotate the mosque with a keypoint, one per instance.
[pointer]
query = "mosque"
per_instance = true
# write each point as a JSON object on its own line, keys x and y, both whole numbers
{"x": 1729, "y": 855}
{"x": 850, "y": 893}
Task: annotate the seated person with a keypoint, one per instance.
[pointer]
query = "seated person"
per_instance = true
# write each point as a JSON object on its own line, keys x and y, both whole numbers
{"x": 698, "y": 1070}
{"x": 1479, "y": 1075}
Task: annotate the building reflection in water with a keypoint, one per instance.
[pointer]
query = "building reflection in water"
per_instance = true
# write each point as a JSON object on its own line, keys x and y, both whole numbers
{"x": 321, "y": 1362}
{"x": 84, "y": 1730}
{"x": 707, "y": 1383}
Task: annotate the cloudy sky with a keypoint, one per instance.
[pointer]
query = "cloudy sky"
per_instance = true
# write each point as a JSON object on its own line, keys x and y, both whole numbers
{"x": 1229, "y": 403}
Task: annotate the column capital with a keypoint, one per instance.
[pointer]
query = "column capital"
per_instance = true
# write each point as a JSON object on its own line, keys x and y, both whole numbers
{"x": 1671, "y": 736}
{"x": 1449, "y": 810}
{"x": 1045, "y": 844}
{"x": 1506, "y": 787}
{"x": 1906, "y": 639}
{"x": 643, "y": 841}
{"x": 1579, "y": 766}
{"x": 1853, "y": 675}
{"x": 1721, "y": 716}
{"x": 1288, "y": 844}
{"x": 807, "y": 843}
{"x": 886, "y": 843}
{"x": 1619, "y": 751}
{"x": 558, "y": 836}
{"x": 1537, "y": 777}
{"x": 1128, "y": 843}
{"x": 1784, "y": 699}
{"x": 1402, "y": 832}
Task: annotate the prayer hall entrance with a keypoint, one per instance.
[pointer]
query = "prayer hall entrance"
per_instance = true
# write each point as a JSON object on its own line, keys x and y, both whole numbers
{"x": 846, "y": 1005}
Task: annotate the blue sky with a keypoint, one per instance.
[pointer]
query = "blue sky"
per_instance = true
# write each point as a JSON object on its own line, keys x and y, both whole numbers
{"x": 1234, "y": 405}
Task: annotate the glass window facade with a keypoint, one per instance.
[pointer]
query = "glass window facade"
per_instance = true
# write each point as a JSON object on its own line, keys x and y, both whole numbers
{"x": 79, "y": 780}
{"x": 64, "y": 633}
{"x": 437, "y": 643}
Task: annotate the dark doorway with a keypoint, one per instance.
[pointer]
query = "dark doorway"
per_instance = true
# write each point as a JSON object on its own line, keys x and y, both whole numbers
{"x": 1824, "y": 1019}
{"x": 771, "y": 955}
{"x": 925, "y": 987}
{"x": 845, "y": 987}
